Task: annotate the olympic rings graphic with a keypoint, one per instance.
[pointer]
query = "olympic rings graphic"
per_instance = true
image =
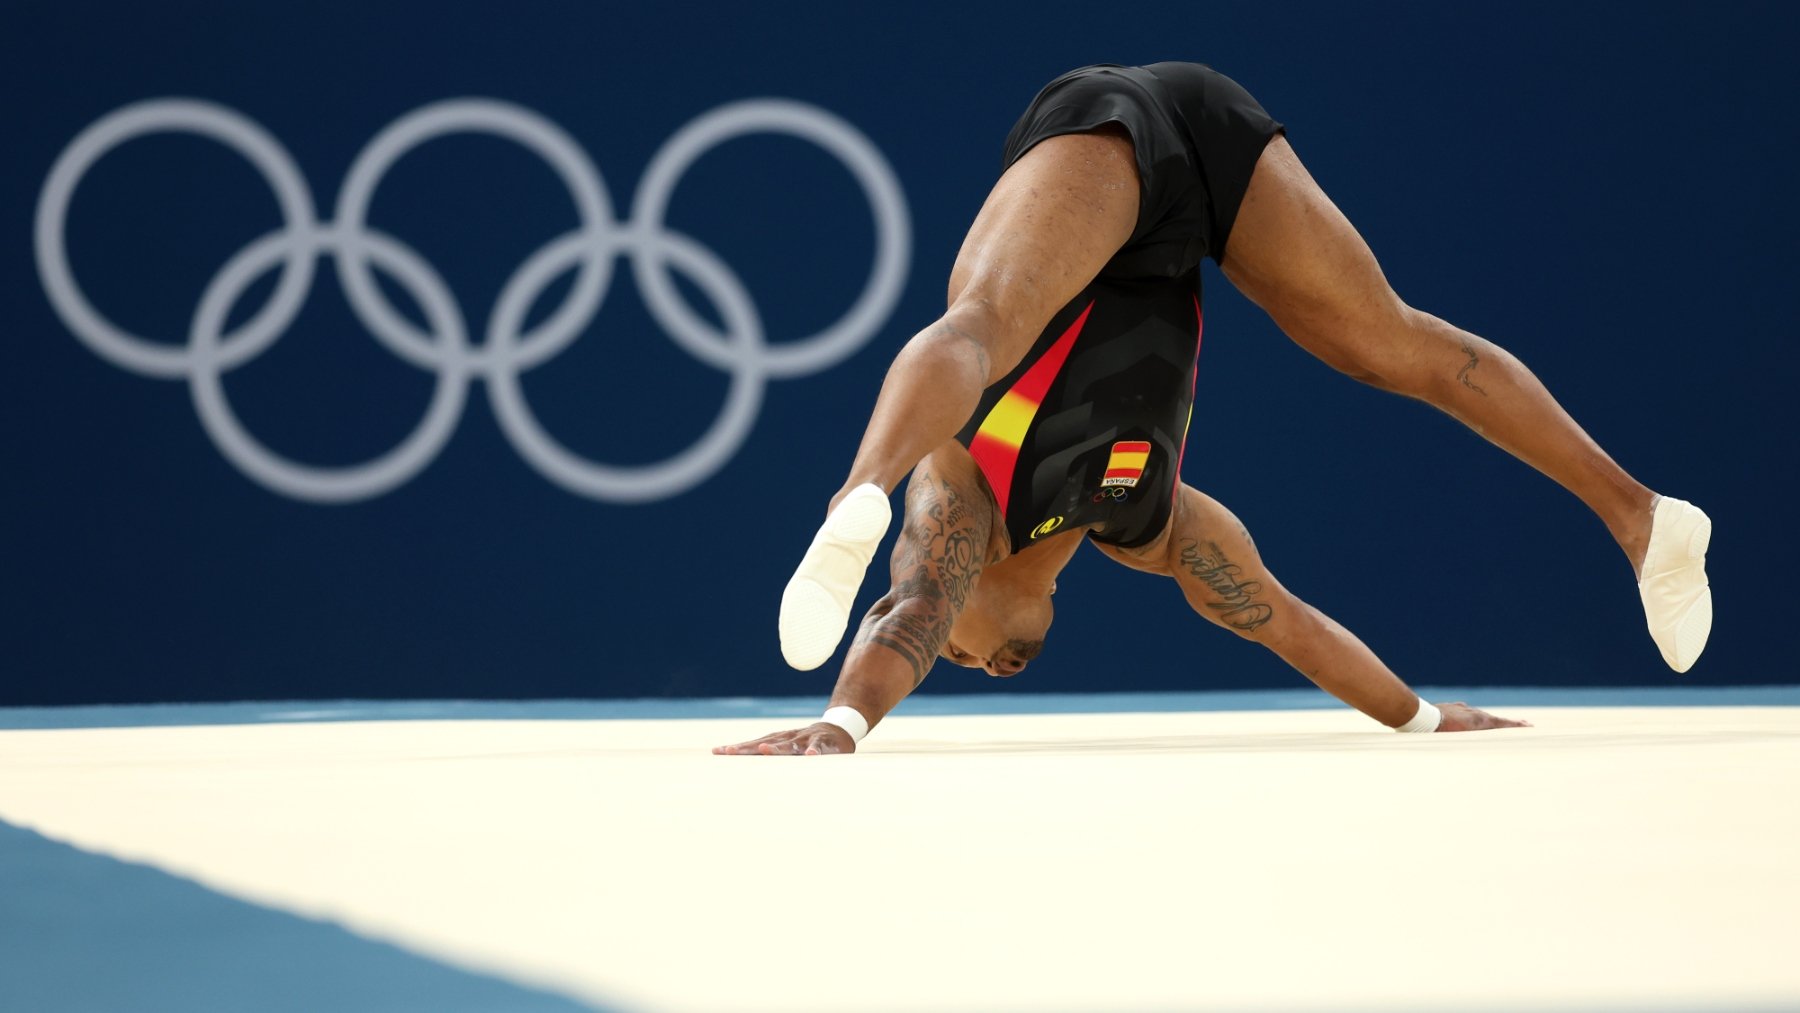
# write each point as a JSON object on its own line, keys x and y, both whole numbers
{"x": 738, "y": 349}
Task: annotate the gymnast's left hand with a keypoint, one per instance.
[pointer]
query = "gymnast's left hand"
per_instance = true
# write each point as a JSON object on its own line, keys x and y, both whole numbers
{"x": 1460, "y": 717}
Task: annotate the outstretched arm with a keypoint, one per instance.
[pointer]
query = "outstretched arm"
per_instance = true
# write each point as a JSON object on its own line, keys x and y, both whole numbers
{"x": 1211, "y": 556}
{"x": 941, "y": 550}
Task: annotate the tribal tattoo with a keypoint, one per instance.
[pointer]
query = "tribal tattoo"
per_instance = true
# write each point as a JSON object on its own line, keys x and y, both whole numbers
{"x": 935, "y": 566}
{"x": 916, "y": 638}
{"x": 1237, "y": 607}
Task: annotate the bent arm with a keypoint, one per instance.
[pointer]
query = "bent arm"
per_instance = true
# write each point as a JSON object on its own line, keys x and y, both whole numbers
{"x": 943, "y": 544}
{"x": 941, "y": 550}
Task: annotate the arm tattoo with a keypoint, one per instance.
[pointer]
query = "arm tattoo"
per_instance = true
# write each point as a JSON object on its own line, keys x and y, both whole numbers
{"x": 917, "y": 639}
{"x": 1463, "y": 374}
{"x": 1238, "y": 608}
{"x": 935, "y": 567}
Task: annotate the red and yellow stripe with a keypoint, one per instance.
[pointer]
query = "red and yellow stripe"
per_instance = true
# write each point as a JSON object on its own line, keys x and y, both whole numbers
{"x": 1126, "y": 463}
{"x": 996, "y": 443}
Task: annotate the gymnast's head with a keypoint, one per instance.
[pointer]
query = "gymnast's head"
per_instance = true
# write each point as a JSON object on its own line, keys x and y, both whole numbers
{"x": 1003, "y": 622}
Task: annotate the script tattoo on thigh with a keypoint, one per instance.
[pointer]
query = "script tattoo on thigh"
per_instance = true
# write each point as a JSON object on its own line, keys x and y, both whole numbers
{"x": 935, "y": 565}
{"x": 1463, "y": 374}
{"x": 1237, "y": 607}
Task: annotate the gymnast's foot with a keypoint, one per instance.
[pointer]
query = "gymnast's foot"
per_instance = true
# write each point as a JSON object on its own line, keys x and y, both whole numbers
{"x": 815, "y": 607}
{"x": 1672, "y": 583}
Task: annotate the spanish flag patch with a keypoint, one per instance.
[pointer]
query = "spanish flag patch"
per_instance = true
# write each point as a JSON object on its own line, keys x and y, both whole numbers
{"x": 1126, "y": 465}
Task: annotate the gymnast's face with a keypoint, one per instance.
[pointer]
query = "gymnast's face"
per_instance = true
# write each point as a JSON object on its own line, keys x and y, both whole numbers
{"x": 1002, "y": 625}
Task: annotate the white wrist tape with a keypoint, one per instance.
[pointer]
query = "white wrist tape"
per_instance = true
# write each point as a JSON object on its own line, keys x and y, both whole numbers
{"x": 849, "y": 719}
{"x": 1426, "y": 720}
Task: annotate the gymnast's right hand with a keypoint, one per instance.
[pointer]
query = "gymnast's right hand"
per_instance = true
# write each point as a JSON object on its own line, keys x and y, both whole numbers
{"x": 816, "y": 739}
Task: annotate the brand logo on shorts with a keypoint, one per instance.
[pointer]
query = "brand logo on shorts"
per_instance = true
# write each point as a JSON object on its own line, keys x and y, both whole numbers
{"x": 1126, "y": 465}
{"x": 1048, "y": 526}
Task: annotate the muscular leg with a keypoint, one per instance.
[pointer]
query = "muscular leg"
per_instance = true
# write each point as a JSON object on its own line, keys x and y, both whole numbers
{"x": 1051, "y": 222}
{"x": 1296, "y": 255}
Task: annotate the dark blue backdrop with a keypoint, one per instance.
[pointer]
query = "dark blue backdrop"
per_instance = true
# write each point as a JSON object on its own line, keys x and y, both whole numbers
{"x": 1604, "y": 190}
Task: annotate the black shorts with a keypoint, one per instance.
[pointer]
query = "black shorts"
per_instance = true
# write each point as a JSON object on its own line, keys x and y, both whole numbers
{"x": 1087, "y": 431}
{"x": 1197, "y": 135}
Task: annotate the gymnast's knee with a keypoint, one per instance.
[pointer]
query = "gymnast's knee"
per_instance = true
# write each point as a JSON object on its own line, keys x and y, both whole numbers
{"x": 1402, "y": 352}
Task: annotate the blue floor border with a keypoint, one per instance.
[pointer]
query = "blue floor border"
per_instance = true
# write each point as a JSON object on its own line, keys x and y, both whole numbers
{"x": 289, "y": 712}
{"x": 85, "y": 933}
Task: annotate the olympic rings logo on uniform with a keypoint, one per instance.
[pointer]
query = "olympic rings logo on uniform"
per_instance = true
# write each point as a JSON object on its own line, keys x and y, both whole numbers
{"x": 590, "y": 250}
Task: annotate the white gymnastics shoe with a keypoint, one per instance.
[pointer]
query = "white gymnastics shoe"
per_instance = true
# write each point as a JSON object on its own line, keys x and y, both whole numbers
{"x": 1677, "y": 601}
{"x": 815, "y": 607}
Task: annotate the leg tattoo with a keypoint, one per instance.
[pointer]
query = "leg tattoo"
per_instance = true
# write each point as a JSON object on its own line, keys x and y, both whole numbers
{"x": 1463, "y": 374}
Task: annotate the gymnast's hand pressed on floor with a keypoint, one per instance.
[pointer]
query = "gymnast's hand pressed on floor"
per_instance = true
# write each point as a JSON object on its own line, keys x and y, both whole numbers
{"x": 1460, "y": 717}
{"x": 816, "y": 739}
